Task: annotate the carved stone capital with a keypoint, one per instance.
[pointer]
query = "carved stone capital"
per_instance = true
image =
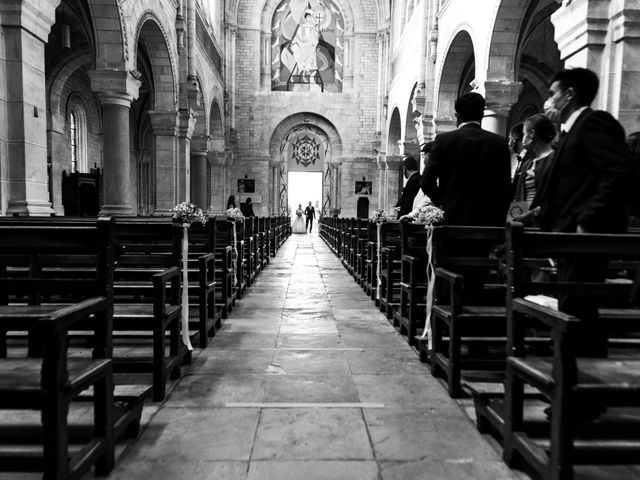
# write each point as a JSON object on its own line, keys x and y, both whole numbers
{"x": 114, "y": 87}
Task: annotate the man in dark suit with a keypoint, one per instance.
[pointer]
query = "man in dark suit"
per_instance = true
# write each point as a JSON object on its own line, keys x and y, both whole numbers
{"x": 468, "y": 171}
{"x": 411, "y": 188}
{"x": 468, "y": 174}
{"x": 582, "y": 189}
{"x": 310, "y": 213}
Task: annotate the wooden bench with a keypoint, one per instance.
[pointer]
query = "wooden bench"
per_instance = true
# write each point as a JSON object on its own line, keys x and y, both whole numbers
{"x": 390, "y": 254}
{"x": 558, "y": 374}
{"x": 360, "y": 251}
{"x": 568, "y": 380}
{"x": 222, "y": 247}
{"x": 52, "y": 381}
{"x": 370, "y": 261}
{"x": 464, "y": 268}
{"x": 411, "y": 313}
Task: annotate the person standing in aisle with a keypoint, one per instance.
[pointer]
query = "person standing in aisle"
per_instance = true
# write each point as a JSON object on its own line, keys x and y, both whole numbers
{"x": 310, "y": 214}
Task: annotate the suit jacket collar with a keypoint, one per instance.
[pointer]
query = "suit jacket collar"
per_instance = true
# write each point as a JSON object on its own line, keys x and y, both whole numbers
{"x": 573, "y": 118}
{"x": 470, "y": 124}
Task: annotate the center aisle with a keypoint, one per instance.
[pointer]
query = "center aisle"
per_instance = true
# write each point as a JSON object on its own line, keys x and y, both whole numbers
{"x": 307, "y": 380}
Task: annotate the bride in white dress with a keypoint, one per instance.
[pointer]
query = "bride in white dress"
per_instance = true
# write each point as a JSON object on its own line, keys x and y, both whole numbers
{"x": 298, "y": 224}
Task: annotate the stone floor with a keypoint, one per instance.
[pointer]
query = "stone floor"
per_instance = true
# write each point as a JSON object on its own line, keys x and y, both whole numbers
{"x": 306, "y": 379}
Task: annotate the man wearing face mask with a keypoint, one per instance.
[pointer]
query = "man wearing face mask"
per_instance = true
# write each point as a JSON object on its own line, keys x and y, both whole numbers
{"x": 583, "y": 189}
{"x": 411, "y": 188}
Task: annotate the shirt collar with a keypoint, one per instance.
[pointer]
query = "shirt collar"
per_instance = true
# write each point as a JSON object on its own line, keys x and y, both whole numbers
{"x": 566, "y": 126}
{"x": 471, "y": 122}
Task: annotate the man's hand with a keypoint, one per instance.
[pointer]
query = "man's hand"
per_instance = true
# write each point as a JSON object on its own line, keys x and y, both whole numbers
{"x": 406, "y": 218}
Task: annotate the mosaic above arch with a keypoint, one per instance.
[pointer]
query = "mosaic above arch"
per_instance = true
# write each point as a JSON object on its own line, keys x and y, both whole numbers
{"x": 307, "y": 46}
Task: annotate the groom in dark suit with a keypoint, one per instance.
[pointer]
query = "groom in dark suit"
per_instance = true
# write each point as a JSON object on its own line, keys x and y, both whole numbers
{"x": 582, "y": 189}
{"x": 468, "y": 171}
{"x": 310, "y": 213}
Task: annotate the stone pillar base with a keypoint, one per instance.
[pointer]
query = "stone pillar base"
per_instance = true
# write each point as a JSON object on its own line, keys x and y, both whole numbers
{"x": 29, "y": 208}
{"x": 116, "y": 211}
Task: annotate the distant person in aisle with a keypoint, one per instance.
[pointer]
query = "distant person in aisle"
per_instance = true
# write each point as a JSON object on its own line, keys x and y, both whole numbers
{"x": 310, "y": 213}
{"x": 247, "y": 208}
{"x": 298, "y": 225}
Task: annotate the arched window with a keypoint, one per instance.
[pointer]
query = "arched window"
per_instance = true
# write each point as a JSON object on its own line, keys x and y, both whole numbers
{"x": 77, "y": 118}
{"x": 307, "y": 46}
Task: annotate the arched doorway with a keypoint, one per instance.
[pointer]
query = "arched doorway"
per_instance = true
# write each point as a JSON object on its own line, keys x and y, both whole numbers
{"x": 305, "y": 142}
{"x": 304, "y": 152}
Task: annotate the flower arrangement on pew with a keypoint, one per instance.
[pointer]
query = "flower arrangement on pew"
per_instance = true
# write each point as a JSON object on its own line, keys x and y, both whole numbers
{"x": 188, "y": 213}
{"x": 185, "y": 214}
{"x": 235, "y": 215}
{"x": 429, "y": 215}
{"x": 378, "y": 216}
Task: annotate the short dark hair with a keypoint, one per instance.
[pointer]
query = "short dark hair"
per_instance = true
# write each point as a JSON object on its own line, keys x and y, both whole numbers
{"x": 248, "y": 200}
{"x": 470, "y": 107}
{"x": 410, "y": 163}
{"x": 584, "y": 82}
{"x": 517, "y": 131}
{"x": 545, "y": 128}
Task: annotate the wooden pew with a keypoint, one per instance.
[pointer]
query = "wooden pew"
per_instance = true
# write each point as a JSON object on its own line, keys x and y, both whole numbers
{"x": 222, "y": 247}
{"x": 569, "y": 381}
{"x": 371, "y": 263}
{"x": 360, "y": 251}
{"x": 463, "y": 266}
{"x": 52, "y": 381}
{"x": 147, "y": 300}
{"x": 410, "y": 314}
{"x": 390, "y": 254}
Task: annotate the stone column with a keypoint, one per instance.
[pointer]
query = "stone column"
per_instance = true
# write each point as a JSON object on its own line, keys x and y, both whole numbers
{"x": 626, "y": 38}
{"x": 23, "y": 107}
{"x": 274, "y": 193}
{"x": 199, "y": 178}
{"x": 382, "y": 183}
{"x": 395, "y": 180}
{"x": 164, "y": 125}
{"x": 116, "y": 90}
{"x": 218, "y": 181}
{"x": 186, "y": 124}
{"x": 500, "y": 97}
{"x": 581, "y": 28}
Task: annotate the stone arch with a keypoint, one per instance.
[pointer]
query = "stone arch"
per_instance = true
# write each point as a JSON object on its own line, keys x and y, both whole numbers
{"x": 458, "y": 59}
{"x": 216, "y": 126}
{"x": 395, "y": 133}
{"x": 57, "y": 80}
{"x": 111, "y": 45}
{"x": 314, "y": 119}
{"x": 513, "y": 20}
{"x": 409, "y": 129}
{"x": 151, "y": 35}
{"x": 331, "y": 167}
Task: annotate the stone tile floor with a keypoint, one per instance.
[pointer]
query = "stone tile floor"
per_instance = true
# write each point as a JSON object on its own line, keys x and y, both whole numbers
{"x": 307, "y": 380}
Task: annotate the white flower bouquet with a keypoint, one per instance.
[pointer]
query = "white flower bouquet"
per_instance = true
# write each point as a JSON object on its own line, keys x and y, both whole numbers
{"x": 378, "y": 216}
{"x": 429, "y": 215}
{"x": 235, "y": 215}
{"x": 187, "y": 212}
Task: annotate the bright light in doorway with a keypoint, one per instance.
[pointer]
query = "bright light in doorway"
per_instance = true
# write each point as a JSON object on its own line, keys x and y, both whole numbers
{"x": 305, "y": 187}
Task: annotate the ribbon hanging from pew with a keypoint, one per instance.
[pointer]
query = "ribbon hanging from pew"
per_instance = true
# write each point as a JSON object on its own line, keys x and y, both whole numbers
{"x": 185, "y": 286}
{"x": 431, "y": 280}
{"x": 378, "y": 264}
{"x": 234, "y": 256}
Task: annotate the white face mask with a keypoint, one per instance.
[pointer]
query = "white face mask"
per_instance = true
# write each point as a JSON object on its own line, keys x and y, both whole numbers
{"x": 554, "y": 111}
